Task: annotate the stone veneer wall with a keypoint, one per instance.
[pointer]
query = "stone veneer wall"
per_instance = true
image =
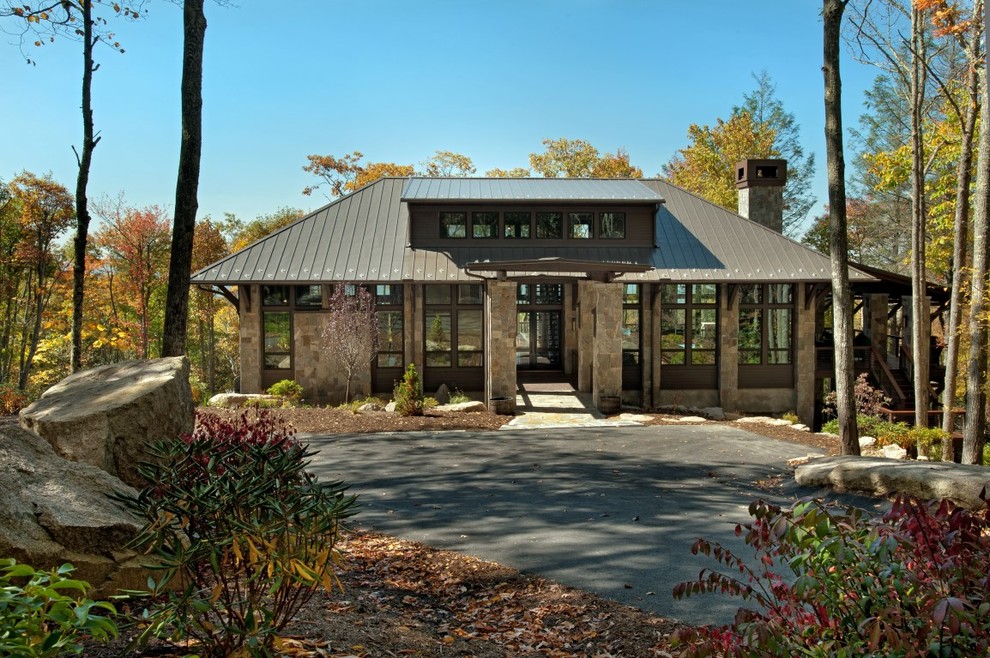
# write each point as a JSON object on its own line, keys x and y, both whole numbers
{"x": 249, "y": 299}
{"x": 323, "y": 379}
{"x": 728, "y": 349}
{"x": 500, "y": 350}
{"x": 876, "y": 321}
{"x": 763, "y": 205}
{"x": 599, "y": 339}
{"x": 804, "y": 356}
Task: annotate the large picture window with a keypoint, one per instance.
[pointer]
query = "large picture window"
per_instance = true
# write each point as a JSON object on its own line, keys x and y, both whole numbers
{"x": 766, "y": 335}
{"x": 612, "y": 225}
{"x": 517, "y": 225}
{"x": 550, "y": 225}
{"x": 454, "y": 326}
{"x": 688, "y": 335}
{"x": 453, "y": 224}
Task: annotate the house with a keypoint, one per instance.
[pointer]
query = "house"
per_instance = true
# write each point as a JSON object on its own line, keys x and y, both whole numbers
{"x": 631, "y": 288}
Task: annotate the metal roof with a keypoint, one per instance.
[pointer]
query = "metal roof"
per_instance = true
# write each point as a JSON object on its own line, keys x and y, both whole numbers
{"x": 529, "y": 189}
{"x": 364, "y": 237}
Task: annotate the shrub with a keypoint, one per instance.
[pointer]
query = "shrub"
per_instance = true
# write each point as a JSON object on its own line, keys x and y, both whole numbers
{"x": 288, "y": 390}
{"x": 198, "y": 388}
{"x": 929, "y": 441}
{"x": 48, "y": 615}
{"x": 245, "y": 535}
{"x": 869, "y": 401}
{"x": 791, "y": 417}
{"x": 11, "y": 400}
{"x": 910, "y": 583}
{"x": 458, "y": 397}
{"x": 409, "y": 393}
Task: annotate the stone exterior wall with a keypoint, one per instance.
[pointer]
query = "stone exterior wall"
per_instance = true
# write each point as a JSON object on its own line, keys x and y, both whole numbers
{"x": 875, "y": 321}
{"x": 804, "y": 357}
{"x": 599, "y": 339}
{"x": 323, "y": 379}
{"x": 763, "y": 205}
{"x": 249, "y": 299}
{"x": 500, "y": 331}
{"x": 728, "y": 350}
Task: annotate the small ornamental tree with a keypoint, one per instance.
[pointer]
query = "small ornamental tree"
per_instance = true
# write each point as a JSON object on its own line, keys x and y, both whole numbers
{"x": 350, "y": 331}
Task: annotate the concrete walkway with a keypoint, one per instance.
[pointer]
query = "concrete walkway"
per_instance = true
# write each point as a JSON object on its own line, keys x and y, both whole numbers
{"x": 554, "y": 406}
{"x": 612, "y": 510}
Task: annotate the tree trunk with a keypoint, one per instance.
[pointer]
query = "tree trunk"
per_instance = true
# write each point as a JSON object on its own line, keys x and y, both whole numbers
{"x": 976, "y": 375}
{"x": 838, "y": 238}
{"x": 920, "y": 310}
{"x": 84, "y": 159}
{"x": 960, "y": 232}
{"x": 187, "y": 183}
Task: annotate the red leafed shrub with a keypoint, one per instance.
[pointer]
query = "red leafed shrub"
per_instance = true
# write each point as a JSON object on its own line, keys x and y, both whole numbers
{"x": 841, "y": 582}
{"x": 244, "y": 534}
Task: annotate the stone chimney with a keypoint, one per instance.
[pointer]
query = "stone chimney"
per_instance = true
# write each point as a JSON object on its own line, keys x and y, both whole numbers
{"x": 761, "y": 191}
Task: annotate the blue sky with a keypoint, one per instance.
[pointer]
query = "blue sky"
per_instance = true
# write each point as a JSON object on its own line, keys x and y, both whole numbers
{"x": 399, "y": 80}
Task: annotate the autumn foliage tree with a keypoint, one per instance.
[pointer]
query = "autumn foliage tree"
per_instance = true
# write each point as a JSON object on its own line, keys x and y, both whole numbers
{"x": 134, "y": 244}
{"x": 576, "y": 158}
{"x": 350, "y": 331}
{"x": 45, "y": 211}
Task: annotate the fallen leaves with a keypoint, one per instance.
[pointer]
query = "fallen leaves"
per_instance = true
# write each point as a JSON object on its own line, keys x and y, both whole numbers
{"x": 402, "y": 598}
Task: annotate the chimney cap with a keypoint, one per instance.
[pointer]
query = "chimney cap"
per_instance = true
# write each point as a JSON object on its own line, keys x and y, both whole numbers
{"x": 761, "y": 172}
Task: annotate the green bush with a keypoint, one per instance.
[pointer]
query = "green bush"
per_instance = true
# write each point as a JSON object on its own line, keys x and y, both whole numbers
{"x": 48, "y": 614}
{"x": 409, "y": 393}
{"x": 458, "y": 397}
{"x": 928, "y": 441}
{"x": 244, "y": 533}
{"x": 791, "y": 417}
{"x": 288, "y": 390}
{"x": 840, "y": 582}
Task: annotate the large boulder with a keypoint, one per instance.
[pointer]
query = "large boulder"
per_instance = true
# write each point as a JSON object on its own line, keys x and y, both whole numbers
{"x": 106, "y": 416}
{"x": 54, "y": 511}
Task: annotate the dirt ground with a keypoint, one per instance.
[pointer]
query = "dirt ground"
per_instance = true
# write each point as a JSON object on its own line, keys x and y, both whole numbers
{"x": 401, "y": 598}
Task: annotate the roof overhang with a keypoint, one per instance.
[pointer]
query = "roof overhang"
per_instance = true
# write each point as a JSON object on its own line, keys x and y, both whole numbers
{"x": 564, "y": 267}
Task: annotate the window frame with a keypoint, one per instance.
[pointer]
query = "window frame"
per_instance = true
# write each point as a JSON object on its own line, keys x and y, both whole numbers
{"x": 444, "y": 227}
{"x": 453, "y": 309}
{"x": 689, "y": 373}
{"x": 767, "y": 373}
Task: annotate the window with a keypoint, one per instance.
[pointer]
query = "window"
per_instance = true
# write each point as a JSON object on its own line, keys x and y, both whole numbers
{"x": 580, "y": 224}
{"x": 688, "y": 324}
{"x": 612, "y": 226}
{"x": 277, "y": 328}
{"x": 388, "y": 303}
{"x": 766, "y": 327}
{"x": 630, "y": 325}
{"x": 453, "y": 224}
{"x": 309, "y": 298}
{"x": 545, "y": 294}
{"x": 484, "y": 225}
{"x": 454, "y": 326}
{"x": 388, "y": 295}
{"x": 517, "y": 225}
{"x": 550, "y": 225}
{"x": 274, "y": 295}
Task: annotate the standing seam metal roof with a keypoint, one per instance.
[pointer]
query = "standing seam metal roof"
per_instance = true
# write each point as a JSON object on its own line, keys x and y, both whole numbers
{"x": 528, "y": 189}
{"x": 364, "y": 237}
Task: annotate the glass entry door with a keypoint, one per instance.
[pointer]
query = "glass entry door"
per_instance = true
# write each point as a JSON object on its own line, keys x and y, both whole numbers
{"x": 538, "y": 340}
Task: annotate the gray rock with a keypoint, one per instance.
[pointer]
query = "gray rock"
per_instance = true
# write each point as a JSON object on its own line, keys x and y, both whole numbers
{"x": 715, "y": 413}
{"x": 237, "y": 400}
{"x": 473, "y": 405}
{"x": 882, "y": 477}
{"x": 442, "y": 396}
{"x": 54, "y": 511}
{"x": 106, "y": 416}
{"x": 894, "y": 452}
{"x": 370, "y": 407}
{"x": 692, "y": 419}
{"x": 867, "y": 441}
{"x": 390, "y": 407}
{"x": 800, "y": 427}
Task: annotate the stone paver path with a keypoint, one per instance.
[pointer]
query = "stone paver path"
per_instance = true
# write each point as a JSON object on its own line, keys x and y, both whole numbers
{"x": 560, "y": 406}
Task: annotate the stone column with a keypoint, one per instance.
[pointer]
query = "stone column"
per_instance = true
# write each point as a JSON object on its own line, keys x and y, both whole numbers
{"x": 412, "y": 322}
{"x": 876, "y": 322}
{"x": 585, "y": 334}
{"x": 500, "y": 346}
{"x": 804, "y": 357}
{"x": 250, "y": 338}
{"x": 646, "y": 342}
{"x": 656, "y": 371}
{"x": 606, "y": 376}
{"x": 728, "y": 350}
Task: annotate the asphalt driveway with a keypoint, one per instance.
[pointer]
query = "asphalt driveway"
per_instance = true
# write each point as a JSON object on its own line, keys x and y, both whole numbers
{"x": 609, "y": 510}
